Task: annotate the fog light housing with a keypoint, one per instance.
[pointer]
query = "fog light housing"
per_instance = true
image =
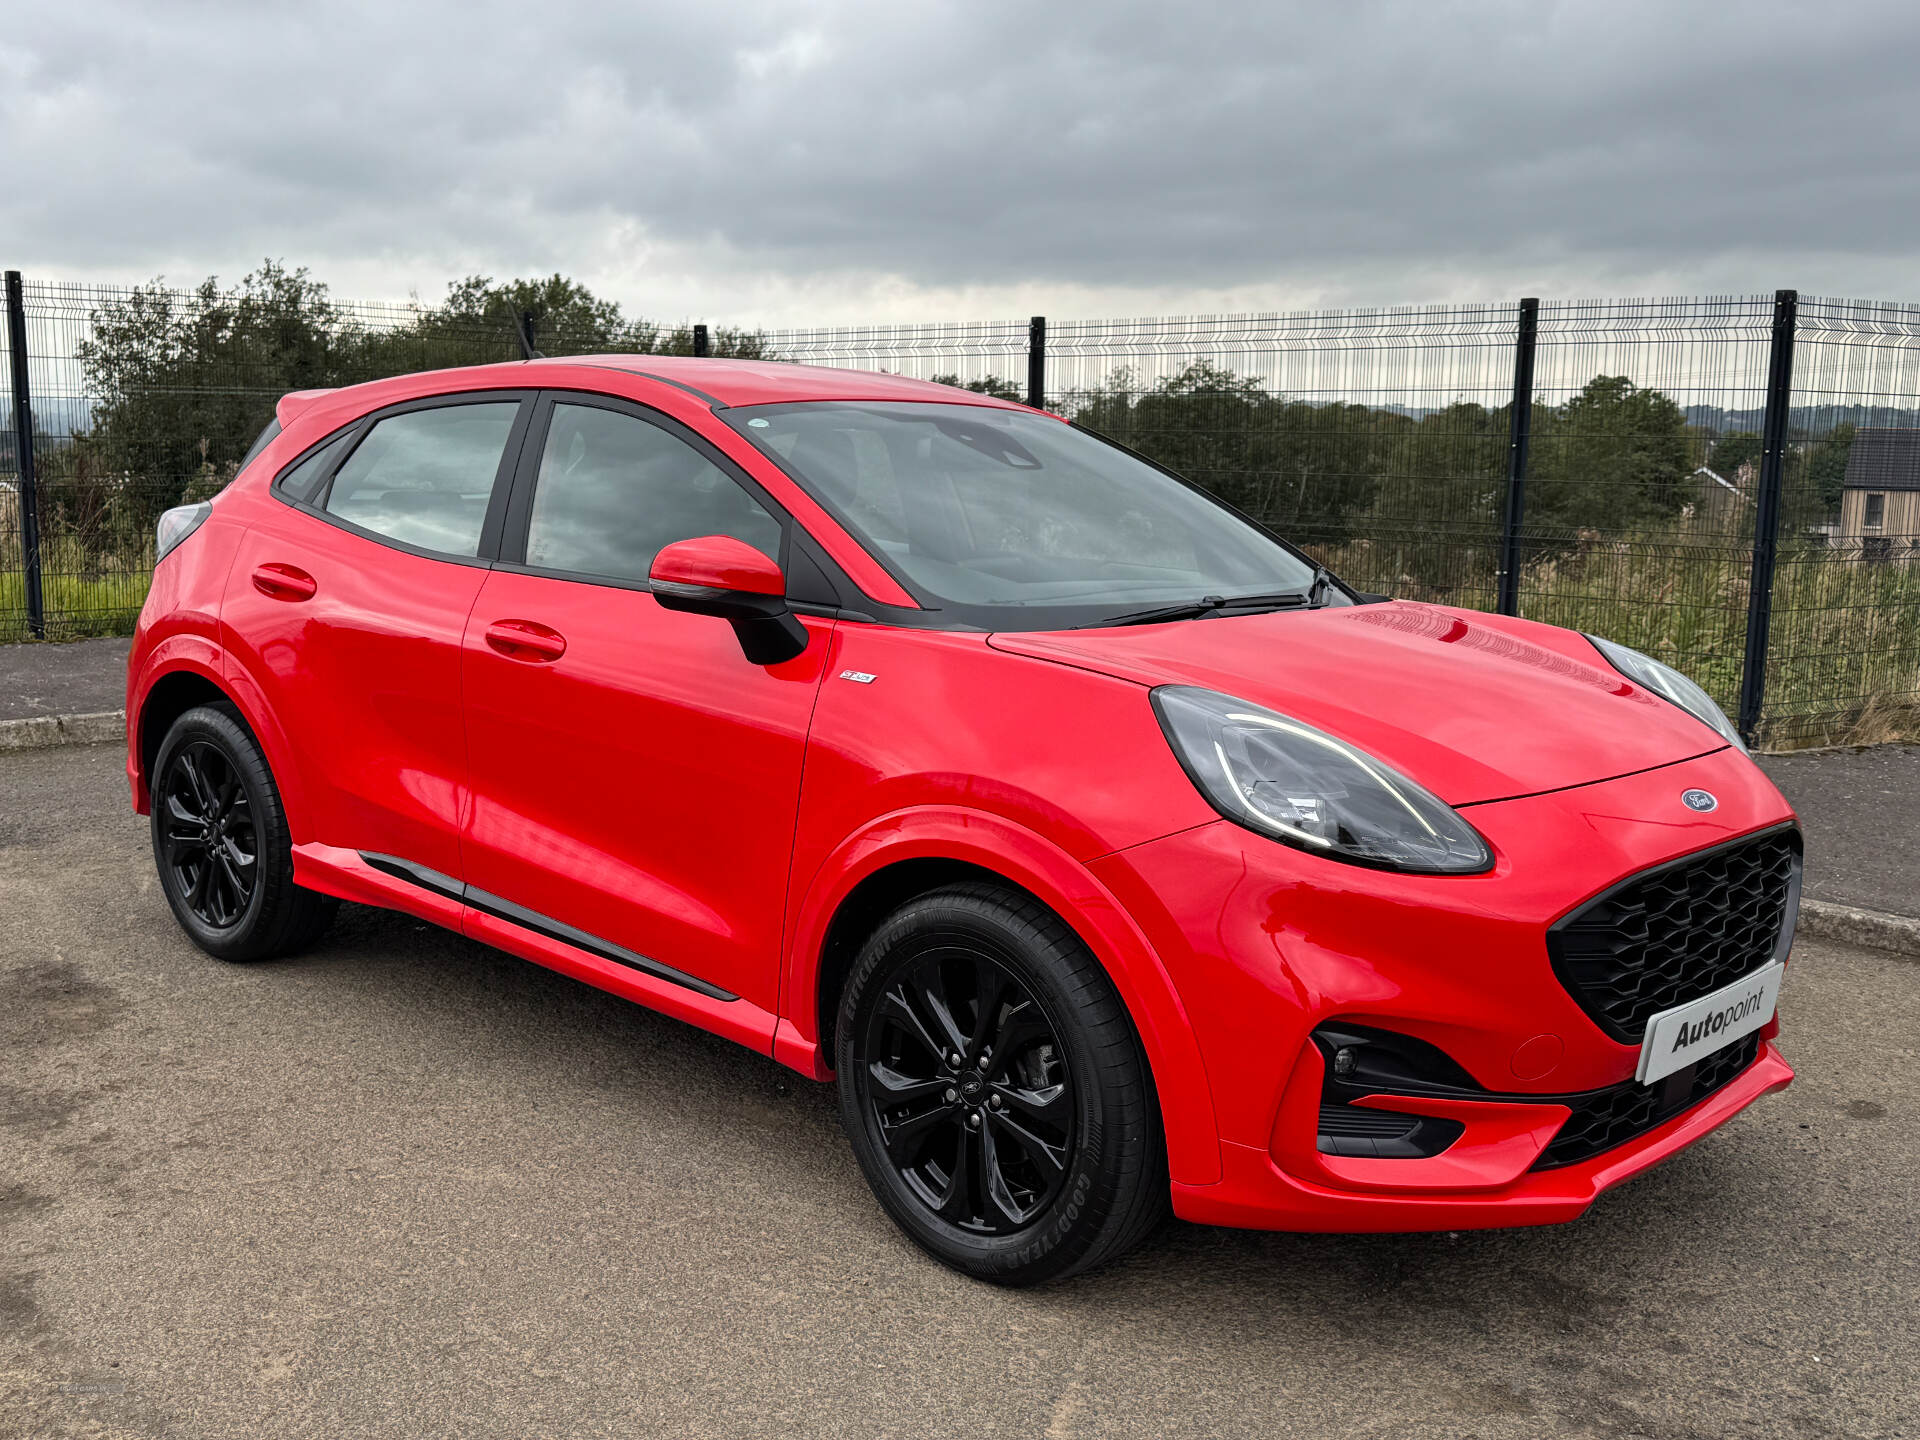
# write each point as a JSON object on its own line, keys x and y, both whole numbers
{"x": 1362, "y": 1061}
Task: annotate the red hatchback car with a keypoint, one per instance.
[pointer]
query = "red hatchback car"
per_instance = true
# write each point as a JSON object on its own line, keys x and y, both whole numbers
{"x": 1106, "y": 850}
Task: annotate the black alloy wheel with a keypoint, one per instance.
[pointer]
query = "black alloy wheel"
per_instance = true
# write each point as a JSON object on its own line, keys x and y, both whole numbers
{"x": 209, "y": 836}
{"x": 221, "y": 842}
{"x": 994, "y": 1089}
{"x": 964, "y": 1080}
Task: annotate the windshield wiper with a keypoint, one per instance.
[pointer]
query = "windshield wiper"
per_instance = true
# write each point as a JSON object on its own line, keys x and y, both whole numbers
{"x": 1323, "y": 581}
{"x": 1209, "y": 605}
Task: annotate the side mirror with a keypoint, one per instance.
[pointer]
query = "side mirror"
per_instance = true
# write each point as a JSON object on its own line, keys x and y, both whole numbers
{"x": 720, "y": 576}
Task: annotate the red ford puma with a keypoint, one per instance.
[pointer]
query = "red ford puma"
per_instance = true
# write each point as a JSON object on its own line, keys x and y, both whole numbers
{"x": 1105, "y": 850}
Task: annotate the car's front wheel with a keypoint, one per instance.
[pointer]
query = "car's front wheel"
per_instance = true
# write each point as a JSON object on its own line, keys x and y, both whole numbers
{"x": 221, "y": 843}
{"x": 995, "y": 1091}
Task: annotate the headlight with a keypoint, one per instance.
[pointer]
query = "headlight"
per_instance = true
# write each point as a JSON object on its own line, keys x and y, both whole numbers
{"x": 176, "y": 525}
{"x": 1304, "y": 788}
{"x": 1669, "y": 684}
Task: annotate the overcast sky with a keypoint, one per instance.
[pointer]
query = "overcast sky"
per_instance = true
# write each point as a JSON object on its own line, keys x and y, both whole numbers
{"x": 830, "y": 162}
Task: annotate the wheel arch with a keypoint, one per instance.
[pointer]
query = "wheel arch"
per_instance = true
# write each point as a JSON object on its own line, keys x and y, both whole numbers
{"x": 175, "y": 683}
{"x": 913, "y": 851}
{"x": 169, "y": 697}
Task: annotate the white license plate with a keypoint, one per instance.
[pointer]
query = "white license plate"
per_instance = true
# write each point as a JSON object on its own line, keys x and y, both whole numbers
{"x": 1678, "y": 1037}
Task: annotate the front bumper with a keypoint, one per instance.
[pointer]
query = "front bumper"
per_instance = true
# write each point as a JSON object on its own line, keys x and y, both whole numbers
{"x": 1265, "y": 944}
{"x": 1255, "y": 1193}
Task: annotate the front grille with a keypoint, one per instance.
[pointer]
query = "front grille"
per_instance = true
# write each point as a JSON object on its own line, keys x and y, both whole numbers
{"x": 1602, "y": 1119}
{"x": 1677, "y": 932}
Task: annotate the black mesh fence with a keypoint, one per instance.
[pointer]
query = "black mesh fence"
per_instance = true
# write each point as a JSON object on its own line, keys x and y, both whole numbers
{"x": 148, "y": 397}
{"x": 1380, "y": 440}
{"x": 1843, "y": 658}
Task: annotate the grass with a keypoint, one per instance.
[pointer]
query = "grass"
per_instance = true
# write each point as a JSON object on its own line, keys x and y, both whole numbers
{"x": 83, "y": 594}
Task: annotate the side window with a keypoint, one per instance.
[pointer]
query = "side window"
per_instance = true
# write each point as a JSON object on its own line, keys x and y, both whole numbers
{"x": 302, "y": 480}
{"x": 613, "y": 490}
{"x": 424, "y": 477}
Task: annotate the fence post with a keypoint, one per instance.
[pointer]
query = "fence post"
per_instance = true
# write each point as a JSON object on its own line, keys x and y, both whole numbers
{"x": 1037, "y": 362}
{"x": 1766, "y": 511}
{"x": 700, "y": 343}
{"x": 1519, "y": 437}
{"x": 23, "y": 457}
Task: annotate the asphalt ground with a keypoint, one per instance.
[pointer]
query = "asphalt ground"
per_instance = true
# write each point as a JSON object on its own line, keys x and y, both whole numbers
{"x": 1861, "y": 812}
{"x": 409, "y": 1186}
{"x": 81, "y": 677}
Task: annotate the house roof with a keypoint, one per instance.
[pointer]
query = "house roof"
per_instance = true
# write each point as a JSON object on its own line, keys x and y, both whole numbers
{"x": 1884, "y": 458}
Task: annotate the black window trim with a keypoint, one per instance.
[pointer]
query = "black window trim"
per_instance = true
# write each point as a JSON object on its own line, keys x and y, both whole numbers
{"x": 269, "y": 433}
{"x": 487, "y": 550}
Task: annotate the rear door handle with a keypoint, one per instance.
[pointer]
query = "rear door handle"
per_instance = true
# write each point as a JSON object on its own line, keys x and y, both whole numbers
{"x": 526, "y": 640}
{"x": 283, "y": 582}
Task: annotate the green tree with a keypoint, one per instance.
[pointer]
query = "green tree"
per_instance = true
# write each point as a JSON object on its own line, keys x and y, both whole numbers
{"x": 1304, "y": 469}
{"x": 478, "y": 322}
{"x": 1436, "y": 512}
{"x": 1730, "y": 452}
{"x": 1613, "y": 458}
{"x": 181, "y": 381}
{"x": 986, "y": 385}
{"x": 1827, "y": 468}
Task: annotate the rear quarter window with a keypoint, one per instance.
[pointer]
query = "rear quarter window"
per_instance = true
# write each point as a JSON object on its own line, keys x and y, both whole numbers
{"x": 424, "y": 477}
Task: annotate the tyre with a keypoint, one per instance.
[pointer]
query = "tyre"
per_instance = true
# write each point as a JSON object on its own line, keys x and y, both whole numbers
{"x": 995, "y": 1091}
{"x": 221, "y": 843}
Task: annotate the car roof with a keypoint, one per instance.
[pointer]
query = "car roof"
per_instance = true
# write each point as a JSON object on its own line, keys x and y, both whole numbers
{"x": 767, "y": 382}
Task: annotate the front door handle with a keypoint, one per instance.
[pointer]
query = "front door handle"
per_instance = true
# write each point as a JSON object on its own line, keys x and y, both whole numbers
{"x": 526, "y": 640}
{"x": 283, "y": 582}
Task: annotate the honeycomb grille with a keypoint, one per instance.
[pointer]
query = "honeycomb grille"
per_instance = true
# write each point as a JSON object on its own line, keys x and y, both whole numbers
{"x": 1677, "y": 932}
{"x": 1603, "y": 1119}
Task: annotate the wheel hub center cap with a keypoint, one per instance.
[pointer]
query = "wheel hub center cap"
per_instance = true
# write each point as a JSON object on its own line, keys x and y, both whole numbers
{"x": 971, "y": 1085}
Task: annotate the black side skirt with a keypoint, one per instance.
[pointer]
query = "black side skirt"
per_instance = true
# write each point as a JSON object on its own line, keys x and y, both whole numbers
{"x": 540, "y": 924}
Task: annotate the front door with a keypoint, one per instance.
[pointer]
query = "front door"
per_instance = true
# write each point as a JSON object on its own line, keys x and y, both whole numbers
{"x": 633, "y": 776}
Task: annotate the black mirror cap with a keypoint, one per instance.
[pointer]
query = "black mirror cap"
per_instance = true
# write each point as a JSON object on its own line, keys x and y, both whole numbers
{"x": 768, "y": 631}
{"x": 771, "y": 639}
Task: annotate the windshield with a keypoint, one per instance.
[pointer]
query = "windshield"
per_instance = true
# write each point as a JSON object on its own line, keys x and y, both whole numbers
{"x": 1010, "y": 520}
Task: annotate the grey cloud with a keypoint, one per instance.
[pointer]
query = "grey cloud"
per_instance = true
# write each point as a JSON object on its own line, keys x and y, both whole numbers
{"x": 1147, "y": 147}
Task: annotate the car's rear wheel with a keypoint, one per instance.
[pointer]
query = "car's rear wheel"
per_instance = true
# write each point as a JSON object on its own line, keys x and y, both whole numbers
{"x": 221, "y": 843}
{"x": 995, "y": 1091}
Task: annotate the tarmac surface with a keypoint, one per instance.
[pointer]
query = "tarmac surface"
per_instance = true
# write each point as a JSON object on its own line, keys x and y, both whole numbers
{"x": 81, "y": 677}
{"x": 408, "y": 1186}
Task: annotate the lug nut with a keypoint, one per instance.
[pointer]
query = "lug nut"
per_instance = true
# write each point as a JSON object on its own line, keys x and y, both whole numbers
{"x": 973, "y": 1121}
{"x": 952, "y": 1095}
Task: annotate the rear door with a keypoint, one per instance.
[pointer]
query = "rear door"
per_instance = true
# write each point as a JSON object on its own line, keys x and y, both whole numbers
{"x": 634, "y": 777}
{"x": 347, "y": 603}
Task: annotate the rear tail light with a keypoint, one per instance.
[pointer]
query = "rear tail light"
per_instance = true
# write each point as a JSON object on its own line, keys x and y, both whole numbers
{"x": 176, "y": 525}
